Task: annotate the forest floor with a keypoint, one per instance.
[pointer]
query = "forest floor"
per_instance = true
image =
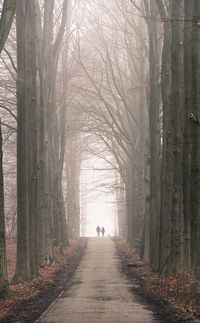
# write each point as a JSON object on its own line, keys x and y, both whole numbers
{"x": 175, "y": 298}
{"x": 100, "y": 292}
{"x": 27, "y": 301}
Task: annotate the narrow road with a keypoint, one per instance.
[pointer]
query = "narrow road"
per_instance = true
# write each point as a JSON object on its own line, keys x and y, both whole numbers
{"x": 99, "y": 292}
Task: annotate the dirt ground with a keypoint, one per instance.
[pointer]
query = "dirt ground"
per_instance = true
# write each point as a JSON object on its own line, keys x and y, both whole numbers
{"x": 165, "y": 310}
{"x": 29, "y": 310}
{"x": 99, "y": 292}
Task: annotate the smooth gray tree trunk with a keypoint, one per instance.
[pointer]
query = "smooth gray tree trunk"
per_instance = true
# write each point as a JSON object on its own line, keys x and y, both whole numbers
{"x": 154, "y": 128}
{"x": 23, "y": 257}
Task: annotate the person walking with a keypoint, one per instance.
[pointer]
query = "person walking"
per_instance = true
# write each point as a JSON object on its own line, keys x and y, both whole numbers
{"x": 103, "y": 231}
{"x": 98, "y": 229}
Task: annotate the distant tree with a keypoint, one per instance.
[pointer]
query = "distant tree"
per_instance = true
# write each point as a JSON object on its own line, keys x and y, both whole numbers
{"x": 72, "y": 168}
{"x": 111, "y": 95}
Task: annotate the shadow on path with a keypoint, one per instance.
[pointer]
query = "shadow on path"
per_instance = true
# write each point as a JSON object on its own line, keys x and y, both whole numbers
{"x": 99, "y": 292}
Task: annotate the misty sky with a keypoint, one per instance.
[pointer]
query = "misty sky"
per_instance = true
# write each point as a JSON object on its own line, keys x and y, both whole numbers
{"x": 98, "y": 199}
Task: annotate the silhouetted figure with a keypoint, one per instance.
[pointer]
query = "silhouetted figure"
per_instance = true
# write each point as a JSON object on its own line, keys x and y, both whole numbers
{"x": 103, "y": 231}
{"x": 98, "y": 229}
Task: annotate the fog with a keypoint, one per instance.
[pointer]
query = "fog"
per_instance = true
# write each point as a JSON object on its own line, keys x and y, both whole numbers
{"x": 97, "y": 198}
{"x": 88, "y": 90}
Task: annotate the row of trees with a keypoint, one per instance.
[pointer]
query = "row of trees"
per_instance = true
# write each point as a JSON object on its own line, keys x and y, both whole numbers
{"x": 121, "y": 83}
{"x": 111, "y": 97}
{"x": 42, "y": 29}
{"x": 138, "y": 91}
{"x": 40, "y": 156}
{"x": 174, "y": 200}
{"x": 111, "y": 78}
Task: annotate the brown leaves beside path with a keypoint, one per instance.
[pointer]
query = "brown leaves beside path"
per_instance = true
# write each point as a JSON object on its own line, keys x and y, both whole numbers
{"x": 24, "y": 291}
{"x": 176, "y": 295}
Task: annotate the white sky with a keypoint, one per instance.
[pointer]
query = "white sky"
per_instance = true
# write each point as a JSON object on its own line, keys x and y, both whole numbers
{"x": 98, "y": 201}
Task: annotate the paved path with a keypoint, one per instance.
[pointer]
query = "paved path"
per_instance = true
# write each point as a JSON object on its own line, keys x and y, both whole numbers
{"x": 99, "y": 292}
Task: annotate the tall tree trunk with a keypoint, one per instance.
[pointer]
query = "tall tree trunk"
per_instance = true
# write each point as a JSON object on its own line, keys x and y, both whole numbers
{"x": 187, "y": 131}
{"x": 121, "y": 210}
{"x": 195, "y": 154}
{"x": 132, "y": 236}
{"x": 72, "y": 162}
{"x": 176, "y": 102}
{"x": 146, "y": 229}
{"x": 46, "y": 81}
{"x": 143, "y": 120}
{"x": 23, "y": 257}
{"x": 48, "y": 67}
{"x": 23, "y": 260}
{"x": 60, "y": 235}
{"x": 154, "y": 128}
{"x": 59, "y": 145}
{"x": 3, "y": 264}
{"x": 27, "y": 151}
{"x": 33, "y": 129}
{"x": 167, "y": 154}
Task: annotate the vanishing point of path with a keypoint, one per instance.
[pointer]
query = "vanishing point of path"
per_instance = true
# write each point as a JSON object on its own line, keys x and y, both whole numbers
{"x": 99, "y": 292}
